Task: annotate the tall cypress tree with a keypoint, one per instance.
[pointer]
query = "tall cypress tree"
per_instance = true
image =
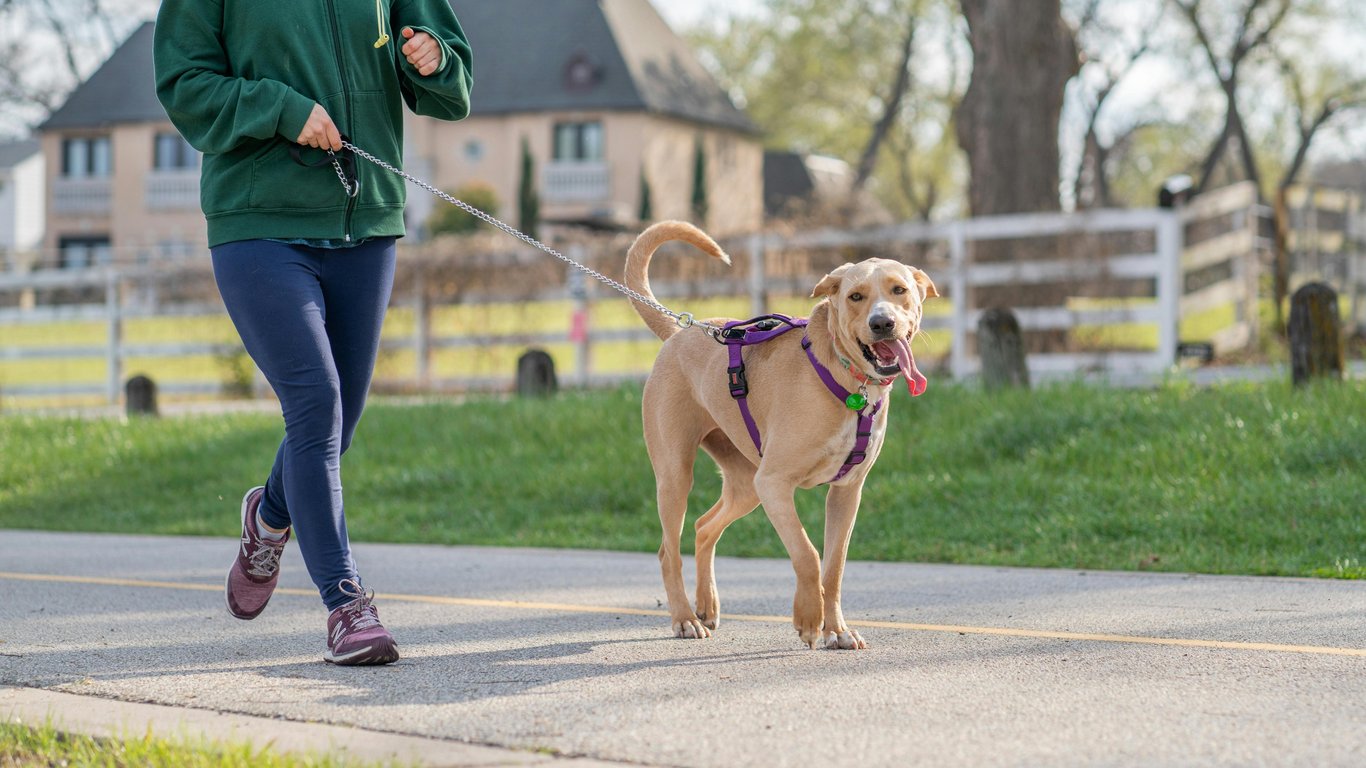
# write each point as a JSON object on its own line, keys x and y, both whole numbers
{"x": 528, "y": 202}
{"x": 647, "y": 206}
{"x": 699, "y": 182}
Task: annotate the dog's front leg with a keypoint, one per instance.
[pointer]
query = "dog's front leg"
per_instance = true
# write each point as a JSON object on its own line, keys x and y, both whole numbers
{"x": 807, "y": 604}
{"x": 841, "y": 507}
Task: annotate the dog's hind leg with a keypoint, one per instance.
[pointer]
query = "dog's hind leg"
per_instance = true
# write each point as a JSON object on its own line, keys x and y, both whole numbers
{"x": 841, "y": 506}
{"x": 737, "y": 500}
{"x": 672, "y": 454}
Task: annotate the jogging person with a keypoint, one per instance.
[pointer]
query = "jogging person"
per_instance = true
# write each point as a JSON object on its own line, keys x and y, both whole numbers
{"x": 265, "y": 89}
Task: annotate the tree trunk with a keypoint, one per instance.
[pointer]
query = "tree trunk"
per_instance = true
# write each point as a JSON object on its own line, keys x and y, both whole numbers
{"x": 1023, "y": 54}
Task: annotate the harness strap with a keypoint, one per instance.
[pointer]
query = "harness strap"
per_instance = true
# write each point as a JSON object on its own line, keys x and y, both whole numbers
{"x": 864, "y": 430}
{"x": 737, "y": 335}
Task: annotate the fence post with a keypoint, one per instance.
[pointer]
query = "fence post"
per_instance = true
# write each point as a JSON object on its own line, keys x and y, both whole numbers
{"x": 1169, "y": 248}
{"x": 113, "y": 308}
{"x": 1001, "y": 348}
{"x": 1315, "y": 334}
{"x": 578, "y": 330}
{"x": 422, "y": 326}
{"x": 758, "y": 276}
{"x": 958, "y": 291}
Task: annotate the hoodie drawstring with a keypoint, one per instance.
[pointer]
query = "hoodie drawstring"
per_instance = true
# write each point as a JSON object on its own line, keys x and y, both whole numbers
{"x": 379, "y": 20}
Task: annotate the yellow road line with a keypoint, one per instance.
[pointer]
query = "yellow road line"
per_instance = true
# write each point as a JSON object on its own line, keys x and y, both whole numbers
{"x": 472, "y": 602}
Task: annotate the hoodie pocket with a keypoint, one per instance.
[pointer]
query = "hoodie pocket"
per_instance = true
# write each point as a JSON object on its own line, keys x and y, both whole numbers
{"x": 278, "y": 183}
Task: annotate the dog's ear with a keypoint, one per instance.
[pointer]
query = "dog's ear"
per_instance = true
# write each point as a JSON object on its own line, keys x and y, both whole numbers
{"x": 831, "y": 282}
{"x": 927, "y": 289}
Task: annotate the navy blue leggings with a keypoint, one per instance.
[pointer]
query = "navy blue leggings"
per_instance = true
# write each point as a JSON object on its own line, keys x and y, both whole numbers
{"x": 310, "y": 318}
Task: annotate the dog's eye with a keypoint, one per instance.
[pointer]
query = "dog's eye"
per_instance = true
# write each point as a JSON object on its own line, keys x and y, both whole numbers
{"x": 899, "y": 290}
{"x": 856, "y": 297}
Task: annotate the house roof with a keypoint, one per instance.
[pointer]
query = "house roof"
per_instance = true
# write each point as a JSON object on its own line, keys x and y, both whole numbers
{"x": 529, "y": 56}
{"x": 122, "y": 90}
{"x": 12, "y": 153}
{"x": 527, "y": 53}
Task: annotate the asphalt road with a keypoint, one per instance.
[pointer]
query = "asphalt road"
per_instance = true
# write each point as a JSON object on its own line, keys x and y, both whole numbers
{"x": 570, "y": 652}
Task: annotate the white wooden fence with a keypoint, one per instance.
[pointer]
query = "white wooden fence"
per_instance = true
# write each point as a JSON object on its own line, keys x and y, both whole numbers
{"x": 1228, "y": 253}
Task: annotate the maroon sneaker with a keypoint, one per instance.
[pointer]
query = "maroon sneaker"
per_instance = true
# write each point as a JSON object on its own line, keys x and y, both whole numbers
{"x": 354, "y": 634}
{"x": 252, "y": 578}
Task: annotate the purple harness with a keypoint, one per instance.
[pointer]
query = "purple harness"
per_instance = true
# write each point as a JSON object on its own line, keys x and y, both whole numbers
{"x": 738, "y": 334}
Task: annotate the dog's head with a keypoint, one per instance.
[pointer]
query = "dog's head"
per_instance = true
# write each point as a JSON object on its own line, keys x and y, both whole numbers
{"x": 875, "y": 310}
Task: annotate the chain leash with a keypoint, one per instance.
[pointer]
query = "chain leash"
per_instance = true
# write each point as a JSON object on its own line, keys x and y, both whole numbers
{"x": 682, "y": 319}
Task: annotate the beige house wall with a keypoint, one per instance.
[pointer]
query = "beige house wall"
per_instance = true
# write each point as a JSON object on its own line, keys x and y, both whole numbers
{"x": 132, "y": 227}
{"x": 480, "y": 150}
{"x": 487, "y": 151}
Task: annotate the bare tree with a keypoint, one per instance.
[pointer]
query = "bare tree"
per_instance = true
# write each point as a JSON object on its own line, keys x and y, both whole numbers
{"x": 891, "y": 112}
{"x": 47, "y": 47}
{"x": 1314, "y": 105}
{"x": 1257, "y": 21}
{"x": 1091, "y": 184}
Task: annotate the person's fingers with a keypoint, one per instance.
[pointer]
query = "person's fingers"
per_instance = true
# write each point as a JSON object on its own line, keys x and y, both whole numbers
{"x": 333, "y": 137}
{"x": 408, "y": 33}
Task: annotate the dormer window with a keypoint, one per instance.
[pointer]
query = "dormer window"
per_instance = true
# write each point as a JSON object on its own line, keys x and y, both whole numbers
{"x": 581, "y": 74}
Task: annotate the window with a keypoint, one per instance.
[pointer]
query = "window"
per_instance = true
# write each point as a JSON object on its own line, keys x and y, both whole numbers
{"x": 82, "y": 252}
{"x": 87, "y": 158}
{"x": 474, "y": 151}
{"x": 173, "y": 153}
{"x": 579, "y": 142}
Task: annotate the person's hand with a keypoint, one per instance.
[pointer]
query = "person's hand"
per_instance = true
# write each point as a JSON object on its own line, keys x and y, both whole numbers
{"x": 422, "y": 51}
{"x": 320, "y": 132}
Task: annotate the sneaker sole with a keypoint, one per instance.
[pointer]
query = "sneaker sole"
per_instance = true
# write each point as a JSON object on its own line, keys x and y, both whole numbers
{"x": 373, "y": 655}
{"x": 227, "y": 579}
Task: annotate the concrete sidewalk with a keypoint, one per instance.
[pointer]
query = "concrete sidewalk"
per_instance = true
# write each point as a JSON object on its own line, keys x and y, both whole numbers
{"x": 534, "y": 653}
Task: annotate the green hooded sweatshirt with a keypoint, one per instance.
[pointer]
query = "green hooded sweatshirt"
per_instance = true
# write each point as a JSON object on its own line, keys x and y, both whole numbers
{"x": 239, "y": 79}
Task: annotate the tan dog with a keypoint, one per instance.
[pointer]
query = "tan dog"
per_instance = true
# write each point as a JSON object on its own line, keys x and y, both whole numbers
{"x": 868, "y": 314}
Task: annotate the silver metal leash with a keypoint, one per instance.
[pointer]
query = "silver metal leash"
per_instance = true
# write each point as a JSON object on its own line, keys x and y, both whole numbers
{"x": 682, "y": 319}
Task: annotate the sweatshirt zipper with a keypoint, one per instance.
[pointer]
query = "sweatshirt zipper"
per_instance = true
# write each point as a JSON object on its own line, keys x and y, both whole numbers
{"x": 346, "y": 107}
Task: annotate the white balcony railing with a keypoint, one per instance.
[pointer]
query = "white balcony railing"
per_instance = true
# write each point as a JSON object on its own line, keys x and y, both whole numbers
{"x": 576, "y": 182}
{"x": 172, "y": 190}
{"x": 82, "y": 197}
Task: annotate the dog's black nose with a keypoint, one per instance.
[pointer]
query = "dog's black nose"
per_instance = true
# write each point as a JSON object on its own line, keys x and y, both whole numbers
{"x": 882, "y": 325}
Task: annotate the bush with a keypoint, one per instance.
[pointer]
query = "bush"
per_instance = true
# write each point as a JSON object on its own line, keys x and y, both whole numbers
{"x": 450, "y": 220}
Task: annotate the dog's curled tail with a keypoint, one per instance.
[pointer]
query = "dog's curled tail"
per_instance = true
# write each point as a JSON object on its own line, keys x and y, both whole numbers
{"x": 638, "y": 266}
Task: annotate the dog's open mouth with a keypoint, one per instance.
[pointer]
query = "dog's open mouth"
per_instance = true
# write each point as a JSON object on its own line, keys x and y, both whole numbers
{"x": 892, "y": 356}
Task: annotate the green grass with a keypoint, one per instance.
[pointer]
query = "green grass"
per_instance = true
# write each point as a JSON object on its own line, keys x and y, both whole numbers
{"x": 1261, "y": 479}
{"x": 22, "y": 746}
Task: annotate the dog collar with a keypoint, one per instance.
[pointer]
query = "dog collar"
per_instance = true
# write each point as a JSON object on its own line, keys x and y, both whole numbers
{"x": 862, "y": 377}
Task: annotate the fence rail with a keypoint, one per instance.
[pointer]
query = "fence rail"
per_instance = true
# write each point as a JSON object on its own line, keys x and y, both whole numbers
{"x": 1070, "y": 278}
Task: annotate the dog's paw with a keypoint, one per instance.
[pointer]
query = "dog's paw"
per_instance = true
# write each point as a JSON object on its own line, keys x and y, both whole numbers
{"x": 846, "y": 640}
{"x": 708, "y": 619}
{"x": 691, "y": 629}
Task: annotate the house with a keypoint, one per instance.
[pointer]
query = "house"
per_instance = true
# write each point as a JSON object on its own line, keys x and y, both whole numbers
{"x": 612, "y": 108}
{"x": 21, "y": 200}
{"x": 121, "y": 181}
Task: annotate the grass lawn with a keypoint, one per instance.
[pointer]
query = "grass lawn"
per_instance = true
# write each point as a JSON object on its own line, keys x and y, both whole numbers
{"x": 1248, "y": 479}
{"x": 22, "y": 746}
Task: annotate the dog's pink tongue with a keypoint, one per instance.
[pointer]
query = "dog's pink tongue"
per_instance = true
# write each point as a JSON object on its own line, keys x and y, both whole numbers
{"x": 915, "y": 380}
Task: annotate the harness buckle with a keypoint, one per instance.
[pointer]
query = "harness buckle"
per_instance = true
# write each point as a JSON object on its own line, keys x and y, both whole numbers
{"x": 855, "y": 457}
{"x": 739, "y": 385}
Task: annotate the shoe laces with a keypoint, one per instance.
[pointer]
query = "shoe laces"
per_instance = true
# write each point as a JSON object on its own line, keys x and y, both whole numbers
{"x": 265, "y": 560}
{"x": 359, "y": 613}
